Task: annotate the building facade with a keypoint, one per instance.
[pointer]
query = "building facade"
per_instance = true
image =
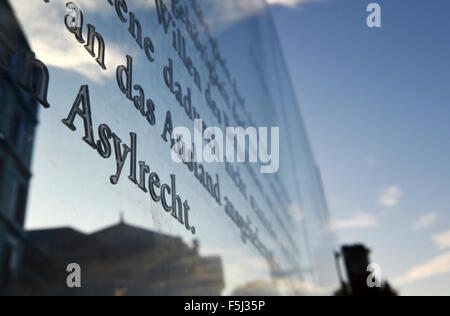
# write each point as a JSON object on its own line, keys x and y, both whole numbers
{"x": 18, "y": 120}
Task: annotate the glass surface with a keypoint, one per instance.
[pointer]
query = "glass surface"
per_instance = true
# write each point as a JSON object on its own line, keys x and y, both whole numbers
{"x": 118, "y": 80}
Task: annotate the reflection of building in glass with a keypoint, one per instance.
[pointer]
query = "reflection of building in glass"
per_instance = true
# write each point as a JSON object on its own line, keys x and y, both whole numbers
{"x": 18, "y": 119}
{"x": 120, "y": 260}
{"x": 256, "y": 288}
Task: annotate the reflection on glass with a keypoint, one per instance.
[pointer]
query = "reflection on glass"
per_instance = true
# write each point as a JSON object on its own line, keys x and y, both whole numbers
{"x": 90, "y": 92}
{"x": 119, "y": 260}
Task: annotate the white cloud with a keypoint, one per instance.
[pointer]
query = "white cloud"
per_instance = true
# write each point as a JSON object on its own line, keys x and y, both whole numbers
{"x": 425, "y": 221}
{"x": 371, "y": 163}
{"x": 233, "y": 259}
{"x": 102, "y": 7}
{"x": 359, "y": 220}
{"x": 437, "y": 266}
{"x": 390, "y": 196}
{"x": 56, "y": 47}
{"x": 442, "y": 240}
{"x": 296, "y": 212}
{"x": 291, "y": 3}
{"x": 303, "y": 287}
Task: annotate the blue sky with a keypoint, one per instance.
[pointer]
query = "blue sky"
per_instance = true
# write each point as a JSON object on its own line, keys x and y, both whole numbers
{"x": 377, "y": 105}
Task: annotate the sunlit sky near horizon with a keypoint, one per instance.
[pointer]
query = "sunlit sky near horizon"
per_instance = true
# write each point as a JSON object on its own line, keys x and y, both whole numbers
{"x": 376, "y": 103}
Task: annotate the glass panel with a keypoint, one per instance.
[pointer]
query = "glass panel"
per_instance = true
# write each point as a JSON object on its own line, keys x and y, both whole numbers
{"x": 113, "y": 80}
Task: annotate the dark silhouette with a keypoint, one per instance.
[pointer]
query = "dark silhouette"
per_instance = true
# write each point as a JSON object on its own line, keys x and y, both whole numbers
{"x": 356, "y": 262}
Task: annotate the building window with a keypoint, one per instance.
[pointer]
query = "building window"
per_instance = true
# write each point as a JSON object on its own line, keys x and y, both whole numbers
{"x": 3, "y": 107}
{"x": 2, "y": 92}
{"x": 18, "y": 132}
{"x": 21, "y": 202}
{"x": 2, "y": 166}
{"x": 5, "y": 264}
{"x": 2, "y": 176}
